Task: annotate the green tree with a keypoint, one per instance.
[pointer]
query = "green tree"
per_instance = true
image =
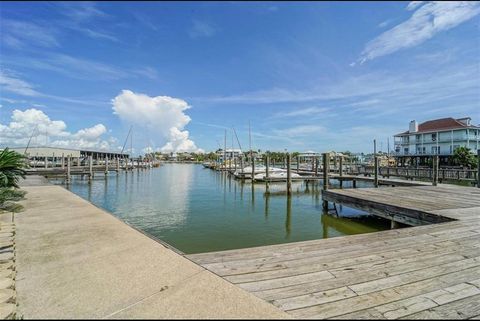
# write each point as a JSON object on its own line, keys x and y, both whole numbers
{"x": 464, "y": 157}
{"x": 12, "y": 168}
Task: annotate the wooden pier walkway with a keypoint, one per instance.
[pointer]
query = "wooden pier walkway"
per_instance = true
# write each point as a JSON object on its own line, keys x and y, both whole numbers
{"x": 428, "y": 271}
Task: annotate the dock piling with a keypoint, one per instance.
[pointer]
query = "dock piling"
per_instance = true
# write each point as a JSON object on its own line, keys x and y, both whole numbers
{"x": 68, "y": 169}
{"x": 253, "y": 168}
{"x": 90, "y": 168}
{"x": 106, "y": 166}
{"x": 326, "y": 167}
{"x": 435, "y": 170}
{"x": 375, "y": 171}
{"x": 267, "y": 174}
{"x": 478, "y": 168}
{"x": 289, "y": 175}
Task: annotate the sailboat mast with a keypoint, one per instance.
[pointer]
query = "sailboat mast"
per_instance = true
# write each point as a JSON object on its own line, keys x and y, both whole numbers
{"x": 225, "y": 150}
{"x": 250, "y": 139}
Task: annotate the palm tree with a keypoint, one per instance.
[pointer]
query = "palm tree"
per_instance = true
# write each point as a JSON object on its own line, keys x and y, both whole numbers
{"x": 464, "y": 157}
{"x": 12, "y": 166}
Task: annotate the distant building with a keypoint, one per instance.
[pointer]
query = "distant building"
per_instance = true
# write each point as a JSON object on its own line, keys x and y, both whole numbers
{"x": 435, "y": 137}
{"x": 229, "y": 154}
{"x": 52, "y": 152}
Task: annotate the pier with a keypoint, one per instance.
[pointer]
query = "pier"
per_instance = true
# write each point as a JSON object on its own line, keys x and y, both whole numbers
{"x": 75, "y": 260}
{"x": 427, "y": 271}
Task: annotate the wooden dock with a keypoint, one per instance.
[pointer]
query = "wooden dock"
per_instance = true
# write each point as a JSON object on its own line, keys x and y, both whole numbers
{"x": 428, "y": 271}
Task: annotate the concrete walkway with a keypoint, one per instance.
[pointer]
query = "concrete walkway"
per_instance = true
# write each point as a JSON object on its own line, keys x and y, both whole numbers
{"x": 75, "y": 260}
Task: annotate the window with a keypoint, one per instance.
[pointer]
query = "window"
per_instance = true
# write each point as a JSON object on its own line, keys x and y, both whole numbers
{"x": 405, "y": 151}
{"x": 434, "y": 137}
{"x": 418, "y": 138}
{"x": 435, "y": 150}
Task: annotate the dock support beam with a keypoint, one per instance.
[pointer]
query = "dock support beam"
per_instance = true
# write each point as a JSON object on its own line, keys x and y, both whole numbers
{"x": 253, "y": 168}
{"x": 340, "y": 171}
{"x": 435, "y": 170}
{"x": 478, "y": 168}
{"x": 376, "y": 171}
{"x": 90, "y": 168}
{"x": 326, "y": 167}
{"x": 68, "y": 169}
{"x": 267, "y": 174}
{"x": 289, "y": 175}
{"x": 106, "y": 166}
{"x": 63, "y": 161}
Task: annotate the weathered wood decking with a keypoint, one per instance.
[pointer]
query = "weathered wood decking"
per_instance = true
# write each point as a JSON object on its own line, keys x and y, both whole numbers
{"x": 428, "y": 271}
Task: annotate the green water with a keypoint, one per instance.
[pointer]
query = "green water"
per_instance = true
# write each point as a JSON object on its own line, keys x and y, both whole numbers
{"x": 199, "y": 210}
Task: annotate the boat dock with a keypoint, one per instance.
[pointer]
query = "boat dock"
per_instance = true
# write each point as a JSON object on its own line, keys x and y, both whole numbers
{"x": 74, "y": 260}
{"x": 427, "y": 271}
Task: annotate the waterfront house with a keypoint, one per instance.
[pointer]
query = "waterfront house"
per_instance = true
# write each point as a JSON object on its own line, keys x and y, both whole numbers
{"x": 229, "y": 154}
{"x": 435, "y": 137}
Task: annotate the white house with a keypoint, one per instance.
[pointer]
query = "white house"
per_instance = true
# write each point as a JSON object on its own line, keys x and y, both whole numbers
{"x": 436, "y": 137}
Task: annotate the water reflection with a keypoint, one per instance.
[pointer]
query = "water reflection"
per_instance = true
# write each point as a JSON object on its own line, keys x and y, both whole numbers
{"x": 193, "y": 209}
{"x": 288, "y": 219}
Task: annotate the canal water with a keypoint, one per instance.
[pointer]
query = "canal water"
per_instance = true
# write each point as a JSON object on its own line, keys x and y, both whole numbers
{"x": 200, "y": 210}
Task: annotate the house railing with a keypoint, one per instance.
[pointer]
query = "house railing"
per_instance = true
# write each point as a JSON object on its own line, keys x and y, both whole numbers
{"x": 406, "y": 172}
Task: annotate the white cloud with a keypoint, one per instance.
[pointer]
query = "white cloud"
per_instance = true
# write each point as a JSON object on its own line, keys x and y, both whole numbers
{"x": 15, "y": 85}
{"x": 201, "y": 29}
{"x": 413, "y": 5}
{"x": 52, "y": 132}
{"x": 309, "y": 112}
{"x": 425, "y": 22}
{"x": 163, "y": 115}
{"x": 10, "y": 82}
{"x": 19, "y": 34}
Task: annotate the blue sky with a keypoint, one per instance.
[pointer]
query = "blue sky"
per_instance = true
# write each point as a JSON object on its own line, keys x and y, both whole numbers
{"x": 307, "y": 75}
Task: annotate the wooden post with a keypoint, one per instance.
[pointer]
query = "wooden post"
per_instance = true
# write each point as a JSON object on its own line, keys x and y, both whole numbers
{"x": 478, "y": 168}
{"x": 341, "y": 165}
{"x": 63, "y": 161}
{"x": 90, "y": 168}
{"x": 289, "y": 175}
{"x": 253, "y": 168}
{"x": 326, "y": 168}
{"x": 234, "y": 164}
{"x": 118, "y": 164}
{"x": 68, "y": 169}
{"x": 435, "y": 170}
{"x": 375, "y": 182}
{"x": 46, "y": 162}
{"x": 316, "y": 165}
{"x": 267, "y": 174}
{"x": 241, "y": 165}
{"x": 298, "y": 164}
{"x": 313, "y": 164}
{"x": 106, "y": 166}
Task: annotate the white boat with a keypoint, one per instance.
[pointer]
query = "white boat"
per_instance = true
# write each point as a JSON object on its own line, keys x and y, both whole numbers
{"x": 279, "y": 174}
{"x": 246, "y": 172}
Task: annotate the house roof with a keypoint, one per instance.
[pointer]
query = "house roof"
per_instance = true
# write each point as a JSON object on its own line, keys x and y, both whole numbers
{"x": 440, "y": 124}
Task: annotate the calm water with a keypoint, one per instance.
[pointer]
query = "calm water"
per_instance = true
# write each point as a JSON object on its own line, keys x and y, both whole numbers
{"x": 200, "y": 210}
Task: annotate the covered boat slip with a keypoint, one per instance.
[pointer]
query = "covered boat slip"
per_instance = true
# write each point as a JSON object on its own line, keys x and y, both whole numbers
{"x": 427, "y": 271}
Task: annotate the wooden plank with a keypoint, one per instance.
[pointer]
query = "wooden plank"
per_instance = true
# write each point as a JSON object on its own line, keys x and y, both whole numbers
{"x": 345, "y": 307}
{"x": 467, "y": 308}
